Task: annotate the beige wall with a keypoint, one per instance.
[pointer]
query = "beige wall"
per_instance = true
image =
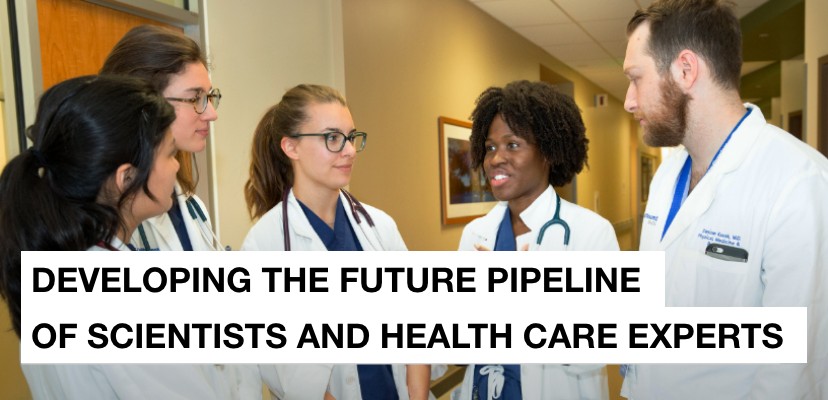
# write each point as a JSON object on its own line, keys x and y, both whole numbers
{"x": 793, "y": 88}
{"x": 408, "y": 62}
{"x": 258, "y": 51}
{"x": 2, "y": 134}
{"x": 12, "y": 383}
{"x": 775, "y": 117}
{"x": 8, "y": 144}
{"x": 816, "y": 46}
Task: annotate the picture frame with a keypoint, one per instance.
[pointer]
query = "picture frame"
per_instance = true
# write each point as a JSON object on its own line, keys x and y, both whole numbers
{"x": 464, "y": 192}
{"x": 647, "y": 168}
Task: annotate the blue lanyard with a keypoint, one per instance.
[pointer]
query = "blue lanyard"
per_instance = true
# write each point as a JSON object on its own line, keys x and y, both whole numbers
{"x": 683, "y": 183}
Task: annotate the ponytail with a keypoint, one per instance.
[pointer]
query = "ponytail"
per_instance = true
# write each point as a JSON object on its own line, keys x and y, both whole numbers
{"x": 55, "y": 196}
{"x": 271, "y": 171}
{"x": 48, "y": 221}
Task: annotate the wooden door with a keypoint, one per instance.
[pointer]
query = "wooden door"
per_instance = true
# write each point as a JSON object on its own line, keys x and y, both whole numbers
{"x": 76, "y": 37}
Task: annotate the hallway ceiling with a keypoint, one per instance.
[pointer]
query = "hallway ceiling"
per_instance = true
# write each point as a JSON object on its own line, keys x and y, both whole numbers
{"x": 589, "y": 35}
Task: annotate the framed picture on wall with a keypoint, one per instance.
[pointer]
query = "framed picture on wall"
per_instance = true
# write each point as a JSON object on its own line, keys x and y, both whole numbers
{"x": 464, "y": 192}
{"x": 647, "y": 168}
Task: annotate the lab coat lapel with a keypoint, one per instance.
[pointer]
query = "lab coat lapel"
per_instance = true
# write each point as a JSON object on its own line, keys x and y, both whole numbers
{"x": 301, "y": 228}
{"x": 531, "y": 380}
{"x": 696, "y": 204}
{"x": 485, "y": 233}
{"x": 731, "y": 157}
{"x": 167, "y": 238}
{"x": 190, "y": 224}
{"x": 367, "y": 235}
{"x": 537, "y": 214}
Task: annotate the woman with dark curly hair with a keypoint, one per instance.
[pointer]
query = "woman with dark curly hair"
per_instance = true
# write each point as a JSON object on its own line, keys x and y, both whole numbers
{"x": 528, "y": 137}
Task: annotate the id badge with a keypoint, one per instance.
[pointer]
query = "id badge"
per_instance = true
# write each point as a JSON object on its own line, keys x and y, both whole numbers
{"x": 726, "y": 253}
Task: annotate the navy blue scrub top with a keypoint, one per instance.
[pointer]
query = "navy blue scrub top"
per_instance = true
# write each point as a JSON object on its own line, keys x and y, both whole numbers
{"x": 177, "y": 219}
{"x": 511, "y": 384}
{"x": 511, "y": 387}
{"x": 505, "y": 240}
{"x": 375, "y": 381}
{"x": 342, "y": 237}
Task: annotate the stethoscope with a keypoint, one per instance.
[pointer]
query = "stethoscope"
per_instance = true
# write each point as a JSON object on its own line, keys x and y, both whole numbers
{"x": 356, "y": 209}
{"x": 200, "y": 218}
{"x": 556, "y": 220}
{"x": 197, "y": 214}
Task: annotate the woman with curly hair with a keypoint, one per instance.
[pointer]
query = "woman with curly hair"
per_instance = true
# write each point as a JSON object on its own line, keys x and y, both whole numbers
{"x": 528, "y": 137}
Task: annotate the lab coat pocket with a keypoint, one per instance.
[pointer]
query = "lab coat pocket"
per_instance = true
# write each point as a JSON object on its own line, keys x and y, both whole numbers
{"x": 718, "y": 282}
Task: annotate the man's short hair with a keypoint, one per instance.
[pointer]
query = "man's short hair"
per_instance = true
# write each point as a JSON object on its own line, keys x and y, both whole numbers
{"x": 707, "y": 27}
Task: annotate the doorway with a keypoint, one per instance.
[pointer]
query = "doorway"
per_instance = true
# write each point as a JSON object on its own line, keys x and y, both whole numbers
{"x": 795, "y": 123}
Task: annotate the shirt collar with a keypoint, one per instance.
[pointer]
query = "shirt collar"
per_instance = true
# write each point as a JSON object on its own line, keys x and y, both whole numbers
{"x": 540, "y": 210}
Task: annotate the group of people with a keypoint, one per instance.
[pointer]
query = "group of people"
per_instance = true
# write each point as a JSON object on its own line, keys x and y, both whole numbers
{"x": 111, "y": 169}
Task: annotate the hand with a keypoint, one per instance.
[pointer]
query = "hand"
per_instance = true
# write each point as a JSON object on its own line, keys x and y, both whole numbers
{"x": 418, "y": 381}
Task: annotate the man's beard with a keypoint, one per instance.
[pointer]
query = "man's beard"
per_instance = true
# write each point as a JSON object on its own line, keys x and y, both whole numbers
{"x": 667, "y": 126}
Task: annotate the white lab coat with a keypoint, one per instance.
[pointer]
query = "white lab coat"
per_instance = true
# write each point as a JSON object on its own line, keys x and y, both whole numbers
{"x": 550, "y": 382}
{"x": 588, "y": 231}
{"x": 768, "y": 194}
{"x": 142, "y": 381}
{"x": 266, "y": 234}
{"x": 161, "y": 232}
{"x": 310, "y": 381}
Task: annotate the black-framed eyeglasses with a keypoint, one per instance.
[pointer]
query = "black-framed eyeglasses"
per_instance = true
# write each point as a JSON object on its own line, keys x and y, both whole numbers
{"x": 199, "y": 102}
{"x": 335, "y": 141}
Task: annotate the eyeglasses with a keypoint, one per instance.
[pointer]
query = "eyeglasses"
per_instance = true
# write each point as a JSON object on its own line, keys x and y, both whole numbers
{"x": 199, "y": 102}
{"x": 335, "y": 141}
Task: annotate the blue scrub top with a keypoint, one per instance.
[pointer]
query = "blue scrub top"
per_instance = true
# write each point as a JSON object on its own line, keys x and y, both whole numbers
{"x": 505, "y": 239}
{"x": 511, "y": 383}
{"x": 377, "y": 382}
{"x": 342, "y": 237}
{"x": 511, "y": 387}
{"x": 177, "y": 219}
